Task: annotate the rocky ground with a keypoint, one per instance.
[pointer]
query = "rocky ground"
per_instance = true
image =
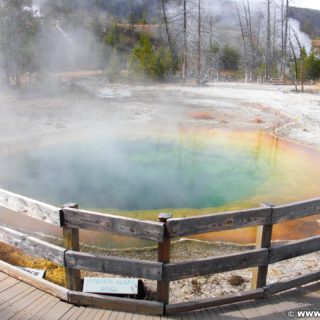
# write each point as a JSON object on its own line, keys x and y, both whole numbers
{"x": 53, "y": 112}
{"x": 213, "y": 285}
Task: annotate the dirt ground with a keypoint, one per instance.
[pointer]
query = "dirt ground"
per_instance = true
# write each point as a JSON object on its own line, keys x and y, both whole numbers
{"x": 76, "y": 106}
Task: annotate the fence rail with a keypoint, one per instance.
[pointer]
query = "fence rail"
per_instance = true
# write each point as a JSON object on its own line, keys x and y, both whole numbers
{"x": 71, "y": 219}
{"x": 81, "y": 219}
{"x": 218, "y": 222}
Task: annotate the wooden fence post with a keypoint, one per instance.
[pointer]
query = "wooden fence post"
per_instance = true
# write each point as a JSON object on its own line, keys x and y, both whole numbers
{"x": 164, "y": 256}
{"x": 71, "y": 242}
{"x": 263, "y": 240}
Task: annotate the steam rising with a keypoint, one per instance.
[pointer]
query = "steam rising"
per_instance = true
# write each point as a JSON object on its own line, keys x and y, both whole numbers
{"x": 111, "y": 171}
{"x": 303, "y": 37}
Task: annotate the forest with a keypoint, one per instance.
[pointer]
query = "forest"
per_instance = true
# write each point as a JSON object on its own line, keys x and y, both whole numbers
{"x": 167, "y": 40}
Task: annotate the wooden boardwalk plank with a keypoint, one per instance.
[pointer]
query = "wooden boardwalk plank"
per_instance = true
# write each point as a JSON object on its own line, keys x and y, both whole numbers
{"x": 213, "y": 314}
{"x": 106, "y": 315}
{"x": 191, "y": 316}
{"x": 301, "y": 297}
{"x": 249, "y": 311}
{"x": 17, "y": 306}
{"x": 128, "y": 316}
{"x": 93, "y": 314}
{"x": 33, "y": 308}
{"x": 45, "y": 309}
{"x": 3, "y": 276}
{"x": 73, "y": 313}
{"x": 313, "y": 291}
{"x": 202, "y": 315}
{"x": 268, "y": 310}
{"x": 121, "y": 316}
{"x": 20, "y": 301}
{"x": 282, "y": 306}
{"x": 86, "y": 314}
{"x": 292, "y": 297}
{"x": 57, "y": 312}
{"x": 113, "y": 315}
{"x": 16, "y": 292}
{"x": 135, "y": 317}
{"x": 99, "y": 315}
{"x": 229, "y": 312}
{"x": 298, "y": 303}
{"x": 7, "y": 283}
{"x": 311, "y": 297}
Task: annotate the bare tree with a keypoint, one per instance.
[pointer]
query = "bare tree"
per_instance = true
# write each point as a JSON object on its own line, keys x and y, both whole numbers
{"x": 268, "y": 45}
{"x": 166, "y": 24}
{"x": 285, "y": 22}
{"x": 295, "y": 66}
{"x": 302, "y": 56}
{"x": 249, "y": 23}
{"x": 199, "y": 73}
{"x": 243, "y": 35}
{"x": 185, "y": 44}
{"x": 132, "y": 21}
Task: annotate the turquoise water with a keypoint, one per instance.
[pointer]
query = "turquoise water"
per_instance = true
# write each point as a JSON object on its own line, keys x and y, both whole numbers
{"x": 138, "y": 174}
{"x": 203, "y": 168}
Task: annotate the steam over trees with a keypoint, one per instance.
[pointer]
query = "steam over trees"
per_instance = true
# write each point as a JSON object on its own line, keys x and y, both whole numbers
{"x": 157, "y": 39}
{"x": 18, "y": 27}
{"x": 207, "y": 38}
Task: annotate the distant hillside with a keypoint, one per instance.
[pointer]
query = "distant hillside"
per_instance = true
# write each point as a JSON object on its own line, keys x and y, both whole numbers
{"x": 120, "y": 8}
{"x": 309, "y": 20}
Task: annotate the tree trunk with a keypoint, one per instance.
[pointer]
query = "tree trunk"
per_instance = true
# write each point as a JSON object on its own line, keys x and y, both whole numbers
{"x": 132, "y": 26}
{"x": 273, "y": 55}
{"x": 268, "y": 48}
{"x": 302, "y": 53}
{"x": 166, "y": 23}
{"x": 185, "y": 45}
{"x": 211, "y": 56}
{"x": 302, "y": 73}
{"x": 285, "y": 40}
{"x": 244, "y": 43}
{"x": 199, "y": 44}
{"x": 295, "y": 65}
{"x": 251, "y": 41}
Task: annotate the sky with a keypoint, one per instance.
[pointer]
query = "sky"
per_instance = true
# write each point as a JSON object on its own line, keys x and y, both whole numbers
{"x": 312, "y": 4}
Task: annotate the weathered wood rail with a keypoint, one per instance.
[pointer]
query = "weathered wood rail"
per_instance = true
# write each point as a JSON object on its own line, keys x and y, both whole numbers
{"x": 71, "y": 219}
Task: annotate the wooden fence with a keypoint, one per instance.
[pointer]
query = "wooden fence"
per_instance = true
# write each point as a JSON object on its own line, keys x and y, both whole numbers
{"x": 71, "y": 219}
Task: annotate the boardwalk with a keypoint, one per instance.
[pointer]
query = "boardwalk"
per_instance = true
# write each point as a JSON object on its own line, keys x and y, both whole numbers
{"x": 19, "y": 300}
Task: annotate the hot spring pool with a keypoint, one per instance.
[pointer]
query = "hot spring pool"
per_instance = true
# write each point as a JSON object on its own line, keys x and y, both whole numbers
{"x": 140, "y": 174}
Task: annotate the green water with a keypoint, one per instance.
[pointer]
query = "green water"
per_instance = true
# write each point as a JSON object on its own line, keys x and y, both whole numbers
{"x": 138, "y": 173}
{"x": 187, "y": 172}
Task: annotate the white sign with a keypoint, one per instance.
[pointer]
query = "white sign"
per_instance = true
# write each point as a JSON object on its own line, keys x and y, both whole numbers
{"x": 110, "y": 285}
{"x": 35, "y": 272}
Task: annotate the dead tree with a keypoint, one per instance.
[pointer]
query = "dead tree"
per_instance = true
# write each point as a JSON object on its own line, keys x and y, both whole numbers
{"x": 302, "y": 56}
{"x": 211, "y": 54}
{"x": 243, "y": 35}
{"x": 285, "y": 21}
{"x": 268, "y": 45}
{"x": 185, "y": 44}
{"x": 295, "y": 66}
{"x": 249, "y": 33}
{"x": 199, "y": 75}
{"x": 132, "y": 25}
{"x": 274, "y": 34}
{"x": 166, "y": 24}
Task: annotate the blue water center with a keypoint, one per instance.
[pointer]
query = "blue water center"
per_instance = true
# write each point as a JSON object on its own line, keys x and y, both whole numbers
{"x": 141, "y": 172}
